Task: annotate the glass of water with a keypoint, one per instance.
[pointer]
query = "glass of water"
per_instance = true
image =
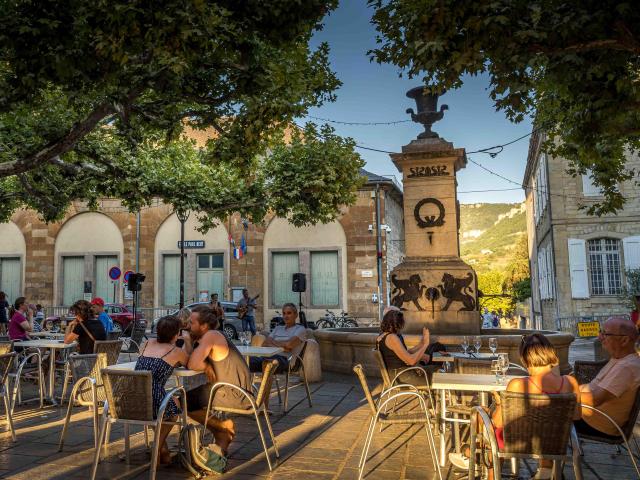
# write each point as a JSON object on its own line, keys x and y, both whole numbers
{"x": 464, "y": 343}
{"x": 503, "y": 359}
{"x": 246, "y": 341}
{"x": 477, "y": 343}
{"x": 493, "y": 345}
{"x": 495, "y": 368}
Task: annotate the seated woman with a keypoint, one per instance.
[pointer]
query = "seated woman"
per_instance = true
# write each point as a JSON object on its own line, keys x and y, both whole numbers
{"x": 540, "y": 359}
{"x": 159, "y": 356}
{"x": 395, "y": 353}
{"x": 85, "y": 328}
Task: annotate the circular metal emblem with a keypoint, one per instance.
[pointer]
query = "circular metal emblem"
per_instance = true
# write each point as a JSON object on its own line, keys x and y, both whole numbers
{"x": 429, "y": 220}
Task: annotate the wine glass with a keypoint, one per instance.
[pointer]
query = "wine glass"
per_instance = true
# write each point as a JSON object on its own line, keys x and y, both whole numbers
{"x": 464, "y": 343}
{"x": 247, "y": 339}
{"x": 477, "y": 343}
{"x": 495, "y": 368}
{"x": 493, "y": 345}
{"x": 503, "y": 359}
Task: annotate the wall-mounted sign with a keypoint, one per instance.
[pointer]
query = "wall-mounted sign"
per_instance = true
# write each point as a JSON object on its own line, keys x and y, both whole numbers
{"x": 588, "y": 329}
{"x": 426, "y": 220}
{"x": 127, "y": 274}
{"x": 367, "y": 273}
{"x": 429, "y": 171}
{"x": 192, "y": 244}
{"x": 114, "y": 273}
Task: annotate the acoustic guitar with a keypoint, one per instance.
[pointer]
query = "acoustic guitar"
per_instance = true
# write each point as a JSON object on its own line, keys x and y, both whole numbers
{"x": 242, "y": 311}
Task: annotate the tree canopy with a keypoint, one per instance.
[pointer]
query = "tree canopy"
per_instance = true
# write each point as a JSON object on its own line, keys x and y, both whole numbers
{"x": 573, "y": 64}
{"x": 96, "y": 97}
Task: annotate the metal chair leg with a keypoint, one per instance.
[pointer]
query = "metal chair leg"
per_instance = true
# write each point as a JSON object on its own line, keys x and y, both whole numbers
{"x": 65, "y": 383}
{"x": 273, "y": 437}
{"x": 96, "y": 457}
{"x": 275, "y": 377}
{"x": 369, "y": 433}
{"x": 365, "y": 448}
{"x": 156, "y": 449}
{"x": 286, "y": 392}
{"x": 306, "y": 384}
{"x": 8, "y": 411}
{"x": 67, "y": 418}
{"x": 127, "y": 445}
{"x": 264, "y": 442}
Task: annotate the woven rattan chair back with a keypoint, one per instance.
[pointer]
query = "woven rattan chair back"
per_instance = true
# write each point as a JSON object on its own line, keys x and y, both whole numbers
{"x": 297, "y": 364}
{"x": 627, "y": 428}
{"x": 89, "y": 366}
{"x": 586, "y": 371}
{"x": 6, "y": 362}
{"x": 476, "y": 366}
{"x": 109, "y": 347}
{"x": 137, "y": 333}
{"x": 384, "y": 373}
{"x": 267, "y": 379}
{"x": 359, "y": 371}
{"x": 129, "y": 394}
{"x": 537, "y": 424}
{"x": 5, "y": 347}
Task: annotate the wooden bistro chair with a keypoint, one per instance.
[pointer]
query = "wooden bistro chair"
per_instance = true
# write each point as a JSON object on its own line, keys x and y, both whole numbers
{"x": 258, "y": 405}
{"x": 535, "y": 426}
{"x": 379, "y": 415}
{"x": 6, "y": 362}
{"x": 129, "y": 401}
{"x": 296, "y": 367}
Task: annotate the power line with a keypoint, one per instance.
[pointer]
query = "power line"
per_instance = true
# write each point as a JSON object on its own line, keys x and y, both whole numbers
{"x": 340, "y": 122}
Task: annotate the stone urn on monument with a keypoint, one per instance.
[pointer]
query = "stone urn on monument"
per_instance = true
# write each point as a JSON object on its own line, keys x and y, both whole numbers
{"x": 433, "y": 285}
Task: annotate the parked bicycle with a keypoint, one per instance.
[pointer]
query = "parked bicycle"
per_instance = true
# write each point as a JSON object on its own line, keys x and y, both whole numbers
{"x": 331, "y": 320}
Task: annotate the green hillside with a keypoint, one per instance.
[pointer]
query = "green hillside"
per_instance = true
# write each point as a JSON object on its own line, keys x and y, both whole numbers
{"x": 489, "y": 232}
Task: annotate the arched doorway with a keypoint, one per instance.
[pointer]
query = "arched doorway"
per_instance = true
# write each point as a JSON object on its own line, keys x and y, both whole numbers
{"x": 87, "y": 246}
{"x": 12, "y": 255}
{"x": 206, "y": 262}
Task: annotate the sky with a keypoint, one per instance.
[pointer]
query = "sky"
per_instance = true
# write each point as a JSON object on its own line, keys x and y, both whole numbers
{"x": 375, "y": 93}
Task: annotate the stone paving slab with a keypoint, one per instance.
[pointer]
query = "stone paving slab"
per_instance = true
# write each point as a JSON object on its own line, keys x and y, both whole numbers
{"x": 321, "y": 442}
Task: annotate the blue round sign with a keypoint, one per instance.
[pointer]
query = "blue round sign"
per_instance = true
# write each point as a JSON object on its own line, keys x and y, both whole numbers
{"x": 126, "y": 275}
{"x": 114, "y": 273}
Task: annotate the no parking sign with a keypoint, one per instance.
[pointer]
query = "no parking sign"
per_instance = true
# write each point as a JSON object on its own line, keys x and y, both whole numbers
{"x": 127, "y": 274}
{"x": 114, "y": 273}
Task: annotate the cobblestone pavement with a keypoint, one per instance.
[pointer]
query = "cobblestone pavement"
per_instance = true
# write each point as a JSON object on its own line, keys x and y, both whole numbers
{"x": 322, "y": 442}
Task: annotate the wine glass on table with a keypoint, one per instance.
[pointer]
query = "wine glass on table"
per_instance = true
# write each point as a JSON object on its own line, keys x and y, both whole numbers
{"x": 497, "y": 370}
{"x": 503, "y": 359}
{"x": 477, "y": 343}
{"x": 464, "y": 343}
{"x": 493, "y": 345}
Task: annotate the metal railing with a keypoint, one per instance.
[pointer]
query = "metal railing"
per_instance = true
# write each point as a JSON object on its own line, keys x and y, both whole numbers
{"x": 570, "y": 324}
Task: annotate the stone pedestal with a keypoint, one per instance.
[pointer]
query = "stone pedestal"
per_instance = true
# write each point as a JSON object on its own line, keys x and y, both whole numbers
{"x": 433, "y": 285}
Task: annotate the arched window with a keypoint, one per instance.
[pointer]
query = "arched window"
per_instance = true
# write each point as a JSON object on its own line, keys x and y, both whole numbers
{"x": 605, "y": 266}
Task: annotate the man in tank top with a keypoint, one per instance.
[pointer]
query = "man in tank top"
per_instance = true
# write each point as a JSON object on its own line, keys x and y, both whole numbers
{"x": 211, "y": 352}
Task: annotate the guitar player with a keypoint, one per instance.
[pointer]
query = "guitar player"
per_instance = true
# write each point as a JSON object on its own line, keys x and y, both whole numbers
{"x": 246, "y": 311}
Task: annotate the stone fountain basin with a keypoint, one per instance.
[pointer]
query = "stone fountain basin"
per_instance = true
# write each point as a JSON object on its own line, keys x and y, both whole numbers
{"x": 343, "y": 348}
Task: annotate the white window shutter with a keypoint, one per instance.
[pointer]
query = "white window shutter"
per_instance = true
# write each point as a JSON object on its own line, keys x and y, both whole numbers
{"x": 578, "y": 268}
{"x": 550, "y": 273}
{"x": 631, "y": 251}
{"x": 542, "y": 274}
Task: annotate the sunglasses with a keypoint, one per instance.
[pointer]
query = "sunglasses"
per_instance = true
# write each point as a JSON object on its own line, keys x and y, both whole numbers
{"x": 605, "y": 334}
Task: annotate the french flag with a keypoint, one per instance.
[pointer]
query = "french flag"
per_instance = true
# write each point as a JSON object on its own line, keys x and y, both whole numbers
{"x": 237, "y": 253}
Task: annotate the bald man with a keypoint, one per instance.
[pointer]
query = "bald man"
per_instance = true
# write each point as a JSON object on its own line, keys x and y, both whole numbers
{"x": 614, "y": 389}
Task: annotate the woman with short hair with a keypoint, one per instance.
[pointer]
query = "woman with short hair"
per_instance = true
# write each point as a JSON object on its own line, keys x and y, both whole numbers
{"x": 19, "y": 326}
{"x": 160, "y": 356}
{"x": 541, "y": 361}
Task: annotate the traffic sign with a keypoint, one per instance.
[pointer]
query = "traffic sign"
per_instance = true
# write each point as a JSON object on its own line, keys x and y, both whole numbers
{"x": 126, "y": 275}
{"x": 114, "y": 273}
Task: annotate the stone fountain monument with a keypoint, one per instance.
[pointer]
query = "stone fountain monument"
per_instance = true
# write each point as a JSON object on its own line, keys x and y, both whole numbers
{"x": 433, "y": 285}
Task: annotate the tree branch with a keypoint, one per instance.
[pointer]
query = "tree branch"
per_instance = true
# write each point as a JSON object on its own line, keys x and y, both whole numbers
{"x": 609, "y": 44}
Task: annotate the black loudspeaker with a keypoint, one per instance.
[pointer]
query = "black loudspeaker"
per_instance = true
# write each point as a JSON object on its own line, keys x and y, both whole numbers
{"x": 135, "y": 282}
{"x": 299, "y": 283}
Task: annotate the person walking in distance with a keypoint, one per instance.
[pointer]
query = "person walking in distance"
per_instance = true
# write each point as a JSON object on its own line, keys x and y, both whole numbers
{"x": 246, "y": 311}
{"x": 216, "y": 306}
{"x": 4, "y": 313}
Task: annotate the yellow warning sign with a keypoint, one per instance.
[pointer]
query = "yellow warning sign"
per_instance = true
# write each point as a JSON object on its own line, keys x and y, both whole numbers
{"x": 588, "y": 329}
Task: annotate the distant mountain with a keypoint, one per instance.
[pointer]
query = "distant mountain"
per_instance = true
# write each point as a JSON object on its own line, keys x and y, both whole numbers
{"x": 488, "y": 233}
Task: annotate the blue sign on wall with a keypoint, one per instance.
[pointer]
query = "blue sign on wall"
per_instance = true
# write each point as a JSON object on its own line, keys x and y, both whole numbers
{"x": 114, "y": 273}
{"x": 192, "y": 244}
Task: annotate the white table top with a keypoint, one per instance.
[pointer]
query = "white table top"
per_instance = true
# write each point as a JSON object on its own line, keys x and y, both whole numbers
{"x": 259, "y": 351}
{"x": 38, "y": 335}
{"x": 44, "y": 343}
{"x": 469, "y": 382}
{"x": 178, "y": 372}
{"x": 451, "y": 356}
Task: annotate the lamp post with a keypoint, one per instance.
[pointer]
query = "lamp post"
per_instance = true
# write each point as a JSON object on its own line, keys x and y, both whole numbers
{"x": 182, "y": 215}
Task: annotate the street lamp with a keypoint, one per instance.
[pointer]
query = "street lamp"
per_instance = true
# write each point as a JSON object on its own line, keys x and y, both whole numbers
{"x": 183, "y": 216}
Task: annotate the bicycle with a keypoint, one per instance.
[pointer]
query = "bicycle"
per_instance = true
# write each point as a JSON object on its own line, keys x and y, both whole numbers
{"x": 331, "y": 320}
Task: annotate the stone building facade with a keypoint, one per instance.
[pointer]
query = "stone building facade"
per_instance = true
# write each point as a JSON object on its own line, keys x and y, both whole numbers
{"x": 577, "y": 261}
{"x": 55, "y": 264}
